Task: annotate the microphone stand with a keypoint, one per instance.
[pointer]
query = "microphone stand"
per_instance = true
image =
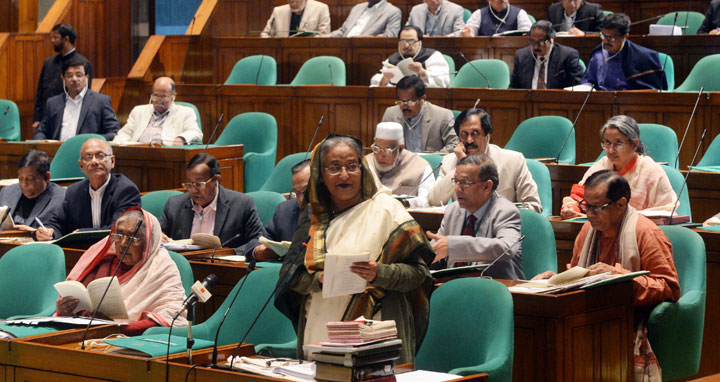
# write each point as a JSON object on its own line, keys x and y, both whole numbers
{"x": 677, "y": 202}
{"x": 572, "y": 128}
{"x": 476, "y": 69}
{"x": 212, "y": 135}
{"x": 212, "y": 256}
{"x": 522, "y": 237}
{"x": 697, "y": 101}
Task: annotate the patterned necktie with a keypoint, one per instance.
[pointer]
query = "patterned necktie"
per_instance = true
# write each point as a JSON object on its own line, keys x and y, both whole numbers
{"x": 541, "y": 75}
{"x": 470, "y": 226}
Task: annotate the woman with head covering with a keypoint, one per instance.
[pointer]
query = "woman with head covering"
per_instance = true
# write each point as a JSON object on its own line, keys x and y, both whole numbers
{"x": 148, "y": 277}
{"x": 348, "y": 214}
{"x": 625, "y": 153}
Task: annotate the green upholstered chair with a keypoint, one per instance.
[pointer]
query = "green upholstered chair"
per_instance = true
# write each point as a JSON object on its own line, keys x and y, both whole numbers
{"x": 10, "y": 122}
{"x": 280, "y": 179}
{"x": 675, "y": 329}
{"x": 466, "y": 14}
{"x": 27, "y": 276}
{"x": 321, "y": 70}
{"x": 541, "y": 176}
{"x": 660, "y": 142}
{"x": 197, "y": 115}
{"x": 677, "y": 180}
{"x": 266, "y": 203}
{"x": 186, "y": 274}
{"x": 582, "y": 64}
{"x": 254, "y": 70}
{"x": 272, "y": 328}
{"x": 712, "y": 154}
{"x": 542, "y": 137}
{"x": 65, "y": 162}
{"x": 669, "y": 67}
{"x": 456, "y": 113}
{"x": 154, "y": 202}
{"x": 496, "y": 72}
{"x": 434, "y": 160}
{"x": 532, "y": 18}
{"x": 470, "y": 330}
{"x": 258, "y": 133}
{"x": 704, "y": 73}
{"x": 690, "y": 22}
{"x": 451, "y": 66}
{"x": 607, "y": 12}
{"x": 538, "y": 247}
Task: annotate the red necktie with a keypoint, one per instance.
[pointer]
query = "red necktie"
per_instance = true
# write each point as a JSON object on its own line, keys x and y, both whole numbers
{"x": 470, "y": 226}
{"x": 541, "y": 75}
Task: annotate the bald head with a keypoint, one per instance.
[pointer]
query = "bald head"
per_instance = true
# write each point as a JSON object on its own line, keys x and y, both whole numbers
{"x": 96, "y": 161}
{"x": 163, "y": 94}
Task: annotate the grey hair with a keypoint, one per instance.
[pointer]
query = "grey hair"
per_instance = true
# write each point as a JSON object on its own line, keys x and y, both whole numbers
{"x": 627, "y": 127}
{"x": 133, "y": 215}
{"x": 333, "y": 142}
{"x": 487, "y": 170}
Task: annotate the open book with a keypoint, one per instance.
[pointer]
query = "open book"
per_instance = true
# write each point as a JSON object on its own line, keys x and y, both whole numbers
{"x": 573, "y": 278}
{"x": 113, "y": 306}
{"x": 398, "y": 71}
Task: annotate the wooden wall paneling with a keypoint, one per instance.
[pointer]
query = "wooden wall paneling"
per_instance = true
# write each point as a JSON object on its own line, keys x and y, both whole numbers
{"x": 173, "y": 56}
{"x": 4, "y": 64}
{"x": 366, "y": 62}
{"x": 206, "y": 100}
{"x": 294, "y": 52}
{"x": 113, "y": 88}
{"x": 226, "y": 53}
{"x": 9, "y": 8}
{"x": 239, "y": 17}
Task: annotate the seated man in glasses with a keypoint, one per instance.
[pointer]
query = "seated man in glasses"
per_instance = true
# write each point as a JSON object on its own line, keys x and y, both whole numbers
{"x": 207, "y": 207}
{"x": 285, "y": 220}
{"x": 426, "y": 127}
{"x": 620, "y": 64}
{"x": 402, "y": 171}
{"x": 480, "y": 226}
{"x": 96, "y": 202}
{"x": 475, "y": 130}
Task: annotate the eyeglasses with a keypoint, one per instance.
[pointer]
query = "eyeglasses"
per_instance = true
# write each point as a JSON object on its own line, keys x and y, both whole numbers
{"x": 585, "y": 207}
{"x": 198, "y": 185}
{"x": 475, "y": 134}
{"x": 407, "y": 42}
{"x": 154, "y": 97}
{"x": 408, "y": 103}
{"x": 296, "y": 194}
{"x": 379, "y": 150}
{"x": 74, "y": 75}
{"x": 118, "y": 237}
{"x": 464, "y": 183}
{"x": 352, "y": 168}
{"x": 100, "y": 156}
{"x": 617, "y": 145}
{"x": 539, "y": 43}
{"x": 607, "y": 38}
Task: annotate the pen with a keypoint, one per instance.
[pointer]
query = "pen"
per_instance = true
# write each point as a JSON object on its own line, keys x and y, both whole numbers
{"x": 39, "y": 222}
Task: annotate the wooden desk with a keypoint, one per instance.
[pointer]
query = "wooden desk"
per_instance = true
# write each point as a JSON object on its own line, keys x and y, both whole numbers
{"x": 149, "y": 168}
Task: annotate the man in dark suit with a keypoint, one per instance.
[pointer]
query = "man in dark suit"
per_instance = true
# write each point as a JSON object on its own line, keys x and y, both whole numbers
{"x": 545, "y": 64}
{"x": 711, "y": 24}
{"x": 576, "y": 17}
{"x": 207, "y": 207}
{"x": 33, "y": 196}
{"x": 96, "y": 202}
{"x": 63, "y": 38}
{"x": 285, "y": 221}
{"x": 79, "y": 110}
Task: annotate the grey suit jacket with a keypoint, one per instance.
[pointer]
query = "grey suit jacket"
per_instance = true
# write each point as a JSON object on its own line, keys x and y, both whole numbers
{"x": 47, "y": 203}
{"x": 498, "y": 230}
{"x": 385, "y": 24}
{"x": 438, "y": 134}
{"x": 449, "y": 21}
{"x": 315, "y": 18}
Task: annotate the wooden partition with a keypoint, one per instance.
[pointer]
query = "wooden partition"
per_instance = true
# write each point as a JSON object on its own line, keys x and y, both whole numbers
{"x": 19, "y": 16}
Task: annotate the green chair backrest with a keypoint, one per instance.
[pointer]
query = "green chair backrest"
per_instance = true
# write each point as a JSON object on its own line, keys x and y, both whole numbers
{"x": 27, "y": 276}
{"x": 197, "y": 115}
{"x": 65, "y": 162}
{"x": 258, "y": 133}
{"x": 154, "y": 202}
{"x": 660, "y": 142}
{"x": 532, "y": 18}
{"x": 266, "y": 203}
{"x": 451, "y": 65}
{"x": 466, "y": 15}
{"x": 538, "y": 247}
{"x": 712, "y": 154}
{"x": 321, "y": 70}
{"x": 280, "y": 179}
{"x": 186, "y": 273}
{"x": 690, "y": 22}
{"x": 494, "y": 71}
{"x": 677, "y": 180}
{"x": 675, "y": 329}
{"x": 434, "y": 160}
{"x": 607, "y": 12}
{"x": 669, "y": 67}
{"x": 704, "y": 73}
{"x": 582, "y": 64}
{"x": 470, "y": 330}
{"x": 456, "y": 113}
{"x": 541, "y": 176}
{"x": 10, "y": 122}
{"x": 254, "y": 70}
{"x": 542, "y": 137}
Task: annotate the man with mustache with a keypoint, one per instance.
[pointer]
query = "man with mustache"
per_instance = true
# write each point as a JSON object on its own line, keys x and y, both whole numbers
{"x": 544, "y": 64}
{"x": 400, "y": 170}
{"x": 371, "y": 18}
{"x": 576, "y": 17}
{"x": 296, "y": 17}
{"x": 497, "y": 17}
{"x": 426, "y": 127}
{"x": 437, "y": 17}
{"x": 63, "y": 37}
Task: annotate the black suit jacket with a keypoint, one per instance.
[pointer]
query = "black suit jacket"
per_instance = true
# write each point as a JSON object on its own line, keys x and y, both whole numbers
{"x": 282, "y": 227}
{"x": 121, "y": 193}
{"x": 46, "y": 204}
{"x": 50, "y": 83}
{"x": 563, "y": 68}
{"x": 236, "y": 213}
{"x": 712, "y": 17}
{"x": 591, "y": 13}
{"x": 96, "y": 116}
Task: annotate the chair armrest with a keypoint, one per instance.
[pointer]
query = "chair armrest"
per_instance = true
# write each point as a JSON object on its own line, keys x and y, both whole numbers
{"x": 491, "y": 367}
{"x": 667, "y": 312}
{"x": 286, "y": 350}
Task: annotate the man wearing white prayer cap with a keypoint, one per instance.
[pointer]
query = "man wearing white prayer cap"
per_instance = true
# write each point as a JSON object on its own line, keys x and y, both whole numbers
{"x": 402, "y": 171}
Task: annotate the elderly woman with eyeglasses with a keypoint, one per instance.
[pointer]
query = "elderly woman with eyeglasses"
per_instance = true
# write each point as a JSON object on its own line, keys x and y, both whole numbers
{"x": 625, "y": 153}
{"x": 149, "y": 279}
{"x": 350, "y": 214}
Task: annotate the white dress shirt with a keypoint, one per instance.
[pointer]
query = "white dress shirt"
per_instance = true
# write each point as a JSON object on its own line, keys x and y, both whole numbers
{"x": 71, "y": 115}
{"x": 96, "y": 197}
{"x": 424, "y": 190}
{"x": 368, "y": 14}
{"x": 568, "y": 21}
{"x": 475, "y": 20}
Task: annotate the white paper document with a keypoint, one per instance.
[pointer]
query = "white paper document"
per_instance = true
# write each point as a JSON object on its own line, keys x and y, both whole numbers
{"x": 425, "y": 376}
{"x": 338, "y": 280}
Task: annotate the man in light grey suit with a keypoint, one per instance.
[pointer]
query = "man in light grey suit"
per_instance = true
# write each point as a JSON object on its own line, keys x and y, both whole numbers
{"x": 371, "y": 18}
{"x": 298, "y": 16}
{"x": 426, "y": 127}
{"x": 437, "y": 18}
{"x": 481, "y": 225}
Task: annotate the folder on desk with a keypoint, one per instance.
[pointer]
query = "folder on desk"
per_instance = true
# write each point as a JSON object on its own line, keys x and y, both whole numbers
{"x": 78, "y": 237}
{"x": 14, "y": 331}
{"x": 154, "y": 345}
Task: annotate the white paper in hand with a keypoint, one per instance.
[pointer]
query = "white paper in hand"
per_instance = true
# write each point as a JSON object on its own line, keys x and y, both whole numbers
{"x": 338, "y": 280}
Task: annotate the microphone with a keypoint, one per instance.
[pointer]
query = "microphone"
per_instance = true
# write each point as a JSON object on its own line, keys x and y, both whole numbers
{"x": 307, "y": 152}
{"x": 262, "y": 58}
{"x": 212, "y": 256}
{"x": 502, "y": 254}
{"x": 572, "y": 128}
{"x": 677, "y": 202}
{"x": 425, "y": 178}
{"x": 200, "y": 292}
{"x": 122, "y": 257}
{"x": 574, "y": 22}
{"x": 476, "y": 69}
{"x": 331, "y": 75}
{"x": 212, "y": 135}
{"x": 646, "y": 20}
{"x": 476, "y": 103}
{"x": 697, "y": 101}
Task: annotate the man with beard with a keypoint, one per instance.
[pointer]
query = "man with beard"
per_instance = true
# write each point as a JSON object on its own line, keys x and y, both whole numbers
{"x": 63, "y": 38}
{"x": 426, "y": 127}
{"x": 296, "y": 17}
{"x": 400, "y": 170}
{"x": 428, "y": 64}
